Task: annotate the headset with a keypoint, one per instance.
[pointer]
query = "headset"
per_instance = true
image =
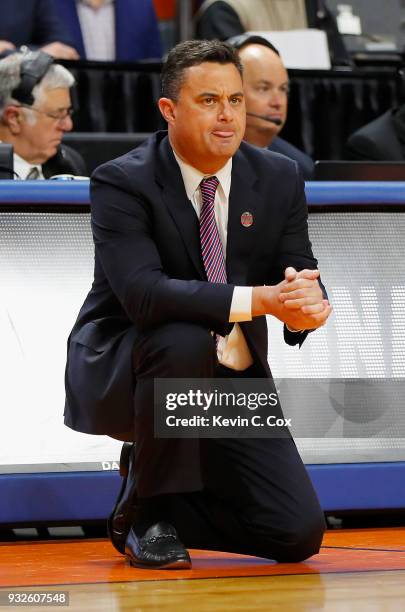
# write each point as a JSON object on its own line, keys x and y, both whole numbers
{"x": 34, "y": 66}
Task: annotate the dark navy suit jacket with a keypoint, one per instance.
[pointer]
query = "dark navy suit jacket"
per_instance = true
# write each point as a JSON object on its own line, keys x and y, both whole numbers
{"x": 136, "y": 30}
{"x": 32, "y": 23}
{"x": 381, "y": 140}
{"x": 149, "y": 270}
{"x": 305, "y": 163}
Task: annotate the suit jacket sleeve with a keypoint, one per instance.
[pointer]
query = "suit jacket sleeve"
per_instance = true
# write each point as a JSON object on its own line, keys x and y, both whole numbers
{"x": 219, "y": 21}
{"x": 48, "y": 25}
{"x": 361, "y": 148}
{"x": 123, "y": 226}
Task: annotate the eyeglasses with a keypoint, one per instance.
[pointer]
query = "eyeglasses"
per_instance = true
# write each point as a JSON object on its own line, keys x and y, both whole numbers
{"x": 58, "y": 115}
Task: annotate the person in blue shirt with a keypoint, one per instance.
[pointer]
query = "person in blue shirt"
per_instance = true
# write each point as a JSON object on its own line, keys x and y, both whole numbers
{"x": 116, "y": 30}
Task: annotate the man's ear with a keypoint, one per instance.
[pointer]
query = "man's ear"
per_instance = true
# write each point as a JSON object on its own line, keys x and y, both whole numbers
{"x": 168, "y": 109}
{"x": 12, "y": 118}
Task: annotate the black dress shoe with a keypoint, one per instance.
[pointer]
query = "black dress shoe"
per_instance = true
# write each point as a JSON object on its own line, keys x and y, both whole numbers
{"x": 159, "y": 548}
{"x": 123, "y": 514}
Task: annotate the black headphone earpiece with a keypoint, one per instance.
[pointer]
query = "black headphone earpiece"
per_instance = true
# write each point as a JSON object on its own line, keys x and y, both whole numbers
{"x": 34, "y": 66}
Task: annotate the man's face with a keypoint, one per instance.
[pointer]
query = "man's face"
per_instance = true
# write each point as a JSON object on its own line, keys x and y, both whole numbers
{"x": 207, "y": 122}
{"x": 265, "y": 83}
{"x": 38, "y": 141}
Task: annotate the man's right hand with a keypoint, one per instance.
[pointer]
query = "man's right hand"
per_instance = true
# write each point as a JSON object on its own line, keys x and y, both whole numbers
{"x": 297, "y": 301}
{"x": 6, "y": 45}
{"x": 59, "y": 50}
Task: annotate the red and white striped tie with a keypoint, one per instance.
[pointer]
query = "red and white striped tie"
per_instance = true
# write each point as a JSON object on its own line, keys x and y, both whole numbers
{"x": 211, "y": 245}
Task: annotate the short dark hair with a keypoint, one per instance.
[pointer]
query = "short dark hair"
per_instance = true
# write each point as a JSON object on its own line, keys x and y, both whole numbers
{"x": 243, "y": 40}
{"x": 192, "y": 53}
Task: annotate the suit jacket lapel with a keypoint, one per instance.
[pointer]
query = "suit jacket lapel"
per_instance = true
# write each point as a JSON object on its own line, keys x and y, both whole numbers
{"x": 242, "y": 198}
{"x": 174, "y": 195}
{"x": 241, "y": 240}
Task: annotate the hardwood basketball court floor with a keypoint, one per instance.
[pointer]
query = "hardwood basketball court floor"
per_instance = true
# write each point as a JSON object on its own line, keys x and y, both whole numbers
{"x": 356, "y": 570}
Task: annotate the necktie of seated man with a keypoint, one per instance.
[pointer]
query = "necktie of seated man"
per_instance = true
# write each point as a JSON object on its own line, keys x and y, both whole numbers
{"x": 33, "y": 174}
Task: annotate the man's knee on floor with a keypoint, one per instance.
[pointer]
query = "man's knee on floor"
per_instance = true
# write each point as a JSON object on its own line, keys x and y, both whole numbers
{"x": 296, "y": 543}
{"x": 302, "y": 543}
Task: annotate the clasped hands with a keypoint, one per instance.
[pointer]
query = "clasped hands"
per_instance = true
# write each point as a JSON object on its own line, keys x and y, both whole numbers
{"x": 297, "y": 301}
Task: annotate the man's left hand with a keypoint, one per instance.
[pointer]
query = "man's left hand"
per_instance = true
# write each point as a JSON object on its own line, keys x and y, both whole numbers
{"x": 302, "y": 291}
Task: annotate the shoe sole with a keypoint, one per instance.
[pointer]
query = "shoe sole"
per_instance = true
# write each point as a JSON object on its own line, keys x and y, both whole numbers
{"x": 124, "y": 464}
{"x": 180, "y": 564}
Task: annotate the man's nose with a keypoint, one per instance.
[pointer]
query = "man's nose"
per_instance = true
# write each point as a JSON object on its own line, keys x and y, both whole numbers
{"x": 225, "y": 111}
{"x": 277, "y": 98}
{"x": 66, "y": 124}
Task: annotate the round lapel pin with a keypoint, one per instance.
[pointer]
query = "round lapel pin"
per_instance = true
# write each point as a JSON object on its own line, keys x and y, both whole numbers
{"x": 246, "y": 219}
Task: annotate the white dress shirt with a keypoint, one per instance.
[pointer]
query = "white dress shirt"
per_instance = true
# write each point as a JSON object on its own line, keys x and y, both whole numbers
{"x": 233, "y": 351}
{"x": 98, "y": 30}
{"x": 23, "y": 168}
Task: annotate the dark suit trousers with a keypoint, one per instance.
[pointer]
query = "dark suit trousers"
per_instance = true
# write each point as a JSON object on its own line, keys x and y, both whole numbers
{"x": 251, "y": 496}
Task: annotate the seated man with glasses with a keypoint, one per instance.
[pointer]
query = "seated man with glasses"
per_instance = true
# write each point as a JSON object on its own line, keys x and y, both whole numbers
{"x": 36, "y": 130}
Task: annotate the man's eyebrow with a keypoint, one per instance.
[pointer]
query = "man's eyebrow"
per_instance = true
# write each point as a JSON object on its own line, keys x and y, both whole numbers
{"x": 266, "y": 82}
{"x": 210, "y": 94}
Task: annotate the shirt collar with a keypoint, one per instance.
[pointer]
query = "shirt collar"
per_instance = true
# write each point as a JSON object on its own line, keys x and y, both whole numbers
{"x": 193, "y": 177}
{"x": 22, "y": 167}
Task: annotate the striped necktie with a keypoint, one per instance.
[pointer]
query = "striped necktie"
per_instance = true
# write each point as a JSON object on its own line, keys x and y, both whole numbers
{"x": 33, "y": 174}
{"x": 211, "y": 245}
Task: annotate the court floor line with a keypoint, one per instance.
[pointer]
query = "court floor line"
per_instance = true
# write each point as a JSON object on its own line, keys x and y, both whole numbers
{"x": 396, "y": 550}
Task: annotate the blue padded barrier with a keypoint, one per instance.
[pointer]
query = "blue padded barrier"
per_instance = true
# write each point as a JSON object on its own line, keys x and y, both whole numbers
{"x": 354, "y": 192}
{"x": 44, "y": 192}
{"x": 57, "y": 497}
{"x": 359, "y": 486}
{"x": 81, "y": 496}
{"x": 321, "y": 192}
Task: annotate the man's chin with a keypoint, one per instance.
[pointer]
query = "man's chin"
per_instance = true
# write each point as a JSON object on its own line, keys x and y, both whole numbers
{"x": 226, "y": 146}
{"x": 51, "y": 152}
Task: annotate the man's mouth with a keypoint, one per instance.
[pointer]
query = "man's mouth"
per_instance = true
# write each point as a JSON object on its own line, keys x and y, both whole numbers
{"x": 223, "y": 133}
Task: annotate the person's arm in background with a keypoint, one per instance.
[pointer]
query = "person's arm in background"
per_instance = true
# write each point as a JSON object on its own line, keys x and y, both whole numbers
{"x": 360, "y": 148}
{"x": 50, "y": 33}
{"x": 6, "y": 47}
{"x": 218, "y": 21}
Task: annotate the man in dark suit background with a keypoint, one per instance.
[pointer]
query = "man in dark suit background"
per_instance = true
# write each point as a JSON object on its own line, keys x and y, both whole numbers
{"x": 34, "y": 23}
{"x": 383, "y": 139}
{"x": 266, "y": 89}
{"x": 35, "y": 127}
{"x": 188, "y": 228}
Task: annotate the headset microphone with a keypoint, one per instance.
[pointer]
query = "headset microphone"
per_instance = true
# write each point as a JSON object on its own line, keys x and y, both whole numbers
{"x": 274, "y": 120}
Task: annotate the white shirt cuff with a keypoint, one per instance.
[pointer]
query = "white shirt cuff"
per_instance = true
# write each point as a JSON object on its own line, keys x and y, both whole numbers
{"x": 241, "y": 306}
